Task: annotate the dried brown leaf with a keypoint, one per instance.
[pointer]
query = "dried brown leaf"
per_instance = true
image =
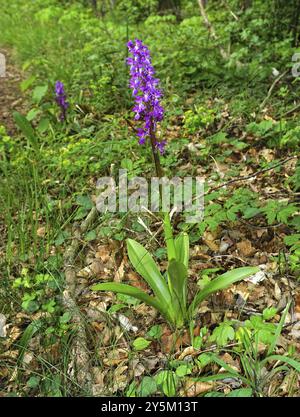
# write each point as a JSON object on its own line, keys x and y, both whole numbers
{"x": 192, "y": 388}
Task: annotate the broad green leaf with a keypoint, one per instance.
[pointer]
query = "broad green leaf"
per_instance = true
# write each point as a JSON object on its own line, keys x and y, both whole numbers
{"x": 91, "y": 235}
{"x": 183, "y": 370}
{"x": 182, "y": 248}
{"x": 204, "y": 359}
{"x": 33, "y": 382}
{"x": 133, "y": 292}
{"x": 116, "y": 307}
{"x": 147, "y": 387}
{"x": 168, "y": 382}
{"x": 269, "y": 313}
{"x": 292, "y": 239}
{"x": 25, "y": 84}
{"x": 65, "y": 318}
{"x": 32, "y": 114}
{"x": 144, "y": 264}
{"x": 39, "y": 92}
{"x": 222, "y": 334}
{"x": 155, "y": 332}
{"x": 127, "y": 163}
{"x": 223, "y": 281}
{"x": 85, "y": 202}
{"x": 61, "y": 237}
{"x": 140, "y": 343}
{"x": 131, "y": 390}
{"x": 26, "y": 129}
{"x": 43, "y": 124}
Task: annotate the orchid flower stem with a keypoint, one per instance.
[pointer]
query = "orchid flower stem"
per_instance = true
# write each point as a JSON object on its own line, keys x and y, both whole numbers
{"x": 169, "y": 237}
{"x": 166, "y": 216}
{"x": 155, "y": 154}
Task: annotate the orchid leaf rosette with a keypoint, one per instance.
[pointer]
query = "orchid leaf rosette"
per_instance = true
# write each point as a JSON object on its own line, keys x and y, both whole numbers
{"x": 169, "y": 289}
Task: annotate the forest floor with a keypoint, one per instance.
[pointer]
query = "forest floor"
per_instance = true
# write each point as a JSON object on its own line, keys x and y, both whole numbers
{"x": 11, "y": 98}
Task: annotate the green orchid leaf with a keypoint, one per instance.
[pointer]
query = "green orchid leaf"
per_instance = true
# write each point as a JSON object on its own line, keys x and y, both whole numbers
{"x": 285, "y": 359}
{"x": 133, "y": 292}
{"x": 169, "y": 239}
{"x": 182, "y": 248}
{"x": 145, "y": 265}
{"x": 223, "y": 281}
{"x": 177, "y": 275}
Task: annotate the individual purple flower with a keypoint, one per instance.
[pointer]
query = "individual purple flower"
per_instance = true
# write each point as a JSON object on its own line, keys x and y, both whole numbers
{"x": 145, "y": 91}
{"x": 61, "y": 99}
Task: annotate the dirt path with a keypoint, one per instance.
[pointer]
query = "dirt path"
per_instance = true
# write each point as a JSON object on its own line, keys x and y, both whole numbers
{"x": 11, "y": 98}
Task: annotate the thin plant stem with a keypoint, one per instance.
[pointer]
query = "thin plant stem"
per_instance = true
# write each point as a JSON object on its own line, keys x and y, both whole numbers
{"x": 166, "y": 217}
{"x": 155, "y": 154}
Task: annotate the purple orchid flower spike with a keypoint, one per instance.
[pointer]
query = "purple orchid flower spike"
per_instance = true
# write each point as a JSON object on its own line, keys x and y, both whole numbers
{"x": 146, "y": 93}
{"x": 61, "y": 99}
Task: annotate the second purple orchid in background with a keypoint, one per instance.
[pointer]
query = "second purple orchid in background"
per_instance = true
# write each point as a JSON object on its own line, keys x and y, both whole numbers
{"x": 61, "y": 99}
{"x": 144, "y": 86}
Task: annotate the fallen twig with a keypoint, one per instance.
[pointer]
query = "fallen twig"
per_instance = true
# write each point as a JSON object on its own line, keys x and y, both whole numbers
{"x": 246, "y": 177}
{"x": 213, "y": 348}
{"x": 291, "y": 111}
{"x": 272, "y": 88}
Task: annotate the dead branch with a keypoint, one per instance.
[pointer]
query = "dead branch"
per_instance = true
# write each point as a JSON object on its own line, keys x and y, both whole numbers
{"x": 246, "y": 177}
{"x": 255, "y": 174}
{"x": 291, "y": 111}
{"x": 276, "y": 81}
